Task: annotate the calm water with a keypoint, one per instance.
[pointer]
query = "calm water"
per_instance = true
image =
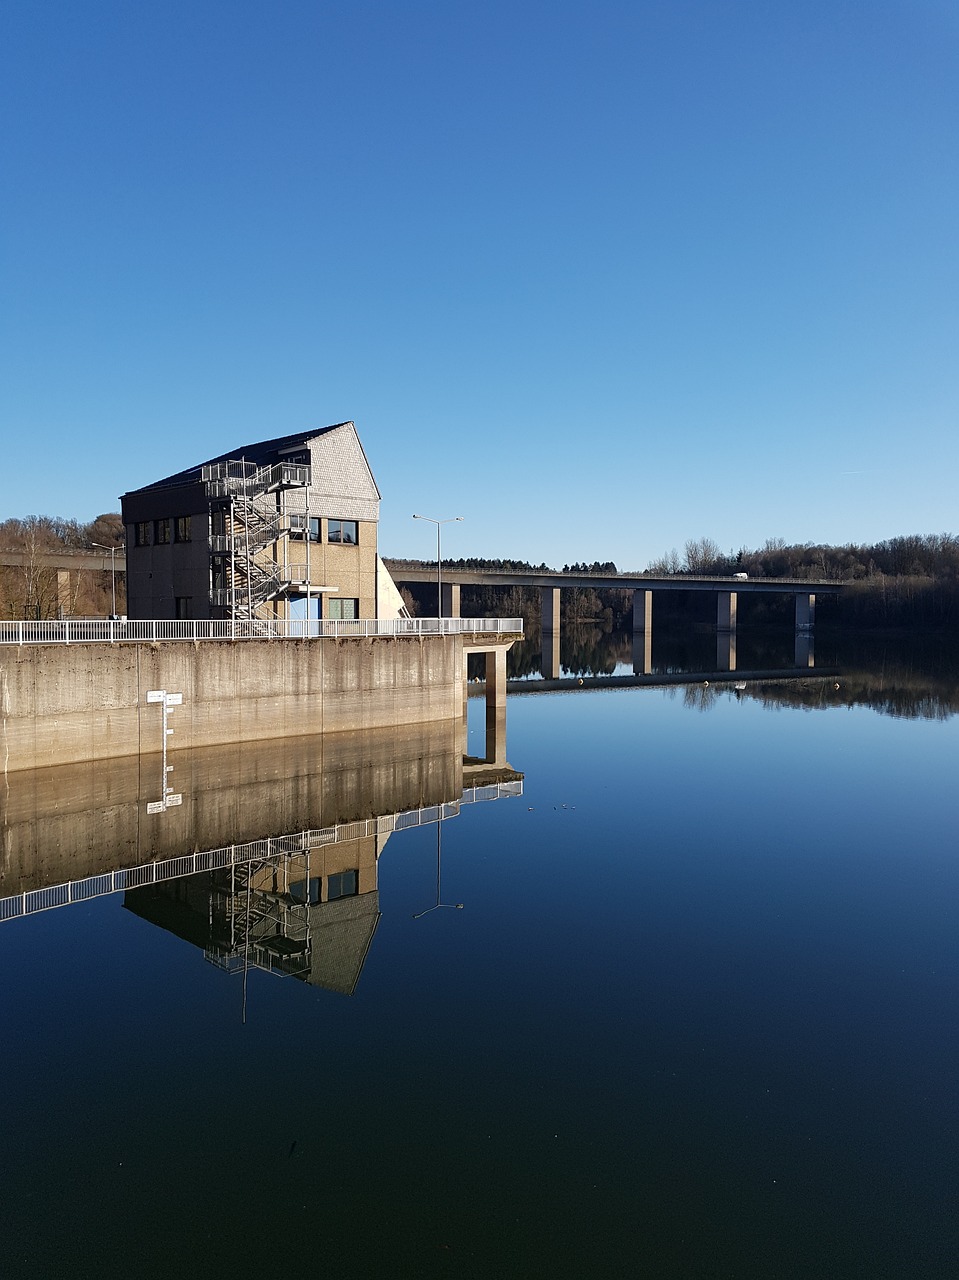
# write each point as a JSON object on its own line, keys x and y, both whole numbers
{"x": 696, "y": 1016}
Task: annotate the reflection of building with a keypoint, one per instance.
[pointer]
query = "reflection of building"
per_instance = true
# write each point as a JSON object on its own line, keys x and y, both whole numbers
{"x": 269, "y": 857}
{"x": 281, "y": 529}
{"x": 309, "y": 915}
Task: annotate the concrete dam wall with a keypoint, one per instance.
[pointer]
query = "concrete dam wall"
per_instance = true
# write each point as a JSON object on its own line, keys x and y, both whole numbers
{"x": 60, "y": 704}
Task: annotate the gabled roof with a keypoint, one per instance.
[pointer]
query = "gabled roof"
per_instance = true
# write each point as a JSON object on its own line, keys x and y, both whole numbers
{"x": 262, "y": 452}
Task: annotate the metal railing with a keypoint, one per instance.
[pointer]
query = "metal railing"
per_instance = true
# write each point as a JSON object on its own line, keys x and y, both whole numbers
{"x": 145, "y": 631}
{"x": 191, "y": 864}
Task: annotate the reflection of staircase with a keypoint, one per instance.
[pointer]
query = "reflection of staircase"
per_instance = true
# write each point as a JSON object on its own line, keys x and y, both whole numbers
{"x": 253, "y": 530}
{"x": 266, "y": 930}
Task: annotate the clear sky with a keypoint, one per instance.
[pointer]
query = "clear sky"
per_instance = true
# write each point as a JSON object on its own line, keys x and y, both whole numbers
{"x": 599, "y": 277}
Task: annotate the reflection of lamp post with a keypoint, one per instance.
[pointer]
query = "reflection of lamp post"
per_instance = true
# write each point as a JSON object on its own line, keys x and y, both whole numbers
{"x": 113, "y": 571}
{"x": 458, "y": 906}
{"x": 439, "y": 562}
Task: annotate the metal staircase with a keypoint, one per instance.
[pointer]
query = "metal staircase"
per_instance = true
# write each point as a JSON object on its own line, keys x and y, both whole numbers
{"x": 253, "y": 530}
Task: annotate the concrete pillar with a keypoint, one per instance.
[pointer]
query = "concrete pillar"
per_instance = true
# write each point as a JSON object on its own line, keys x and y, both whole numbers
{"x": 550, "y": 596}
{"x": 726, "y": 610}
{"x": 450, "y": 607}
{"x": 805, "y": 611}
{"x": 464, "y": 680}
{"x": 642, "y": 633}
{"x": 805, "y": 649}
{"x": 496, "y": 705}
{"x": 725, "y": 650}
{"x": 64, "y": 601}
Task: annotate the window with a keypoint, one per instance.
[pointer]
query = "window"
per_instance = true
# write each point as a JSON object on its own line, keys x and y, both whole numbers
{"x": 306, "y": 891}
{"x": 218, "y": 522}
{"x": 141, "y": 534}
{"x": 342, "y": 608}
{"x": 183, "y": 606}
{"x": 183, "y": 529}
{"x": 345, "y": 884}
{"x": 163, "y": 531}
{"x": 298, "y": 527}
{"x": 343, "y": 531}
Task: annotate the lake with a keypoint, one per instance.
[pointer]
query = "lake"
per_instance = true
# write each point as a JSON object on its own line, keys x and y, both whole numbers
{"x": 672, "y": 995}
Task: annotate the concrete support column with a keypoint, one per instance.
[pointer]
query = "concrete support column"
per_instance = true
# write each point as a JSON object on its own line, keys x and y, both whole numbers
{"x": 63, "y": 593}
{"x": 464, "y": 680}
{"x": 550, "y": 597}
{"x": 726, "y": 610}
{"x": 496, "y": 705}
{"x": 805, "y": 611}
{"x": 725, "y": 650}
{"x": 450, "y": 607}
{"x": 805, "y": 649}
{"x": 642, "y": 633}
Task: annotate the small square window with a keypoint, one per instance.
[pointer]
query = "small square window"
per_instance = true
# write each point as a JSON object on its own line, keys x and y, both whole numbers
{"x": 183, "y": 533}
{"x": 141, "y": 534}
{"x": 163, "y": 531}
{"x": 344, "y": 884}
{"x": 306, "y": 891}
{"x": 298, "y": 527}
{"x": 346, "y": 531}
{"x": 342, "y": 608}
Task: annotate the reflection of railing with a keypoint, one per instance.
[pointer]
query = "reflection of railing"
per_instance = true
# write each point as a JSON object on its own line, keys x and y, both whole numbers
{"x": 101, "y": 630}
{"x": 62, "y": 895}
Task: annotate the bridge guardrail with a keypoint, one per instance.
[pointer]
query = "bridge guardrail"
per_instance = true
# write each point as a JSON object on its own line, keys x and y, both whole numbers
{"x": 146, "y": 631}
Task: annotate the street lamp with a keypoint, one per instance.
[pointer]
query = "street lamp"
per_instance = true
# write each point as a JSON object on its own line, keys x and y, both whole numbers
{"x": 439, "y": 563}
{"x": 113, "y": 570}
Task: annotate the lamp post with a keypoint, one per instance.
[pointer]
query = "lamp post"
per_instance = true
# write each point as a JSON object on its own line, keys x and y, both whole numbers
{"x": 113, "y": 571}
{"x": 439, "y": 562}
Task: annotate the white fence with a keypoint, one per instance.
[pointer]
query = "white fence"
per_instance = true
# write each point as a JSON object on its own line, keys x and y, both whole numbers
{"x": 145, "y": 631}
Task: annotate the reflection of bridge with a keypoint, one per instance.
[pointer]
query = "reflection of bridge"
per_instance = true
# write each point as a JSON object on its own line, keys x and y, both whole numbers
{"x": 725, "y": 679}
{"x": 641, "y": 586}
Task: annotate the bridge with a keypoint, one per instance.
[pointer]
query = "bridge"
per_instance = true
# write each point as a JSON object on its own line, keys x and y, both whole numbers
{"x": 726, "y": 589}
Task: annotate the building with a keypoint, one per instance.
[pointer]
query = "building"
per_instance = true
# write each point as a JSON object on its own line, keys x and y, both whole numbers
{"x": 284, "y": 529}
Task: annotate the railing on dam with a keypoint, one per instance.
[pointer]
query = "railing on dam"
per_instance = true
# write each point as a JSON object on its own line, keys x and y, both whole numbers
{"x": 146, "y": 631}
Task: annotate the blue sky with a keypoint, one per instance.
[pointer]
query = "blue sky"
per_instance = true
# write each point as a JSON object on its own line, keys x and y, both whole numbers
{"x": 597, "y": 277}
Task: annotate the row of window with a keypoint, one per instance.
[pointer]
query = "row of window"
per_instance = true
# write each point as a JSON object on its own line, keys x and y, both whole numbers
{"x": 341, "y": 531}
{"x": 338, "y": 608}
{"x": 342, "y": 884}
{"x": 147, "y": 533}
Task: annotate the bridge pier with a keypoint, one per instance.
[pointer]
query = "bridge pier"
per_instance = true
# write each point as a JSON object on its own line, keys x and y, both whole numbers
{"x": 550, "y": 599}
{"x": 551, "y": 632}
{"x": 805, "y": 611}
{"x": 726, "y": 602}
{"x": 642, "y": 633}
{"x": 450, "y": 600}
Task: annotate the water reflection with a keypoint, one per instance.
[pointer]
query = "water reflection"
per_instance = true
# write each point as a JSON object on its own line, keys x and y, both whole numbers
{"x": 268, "y": 860}
{"x": 911, "y": 677}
